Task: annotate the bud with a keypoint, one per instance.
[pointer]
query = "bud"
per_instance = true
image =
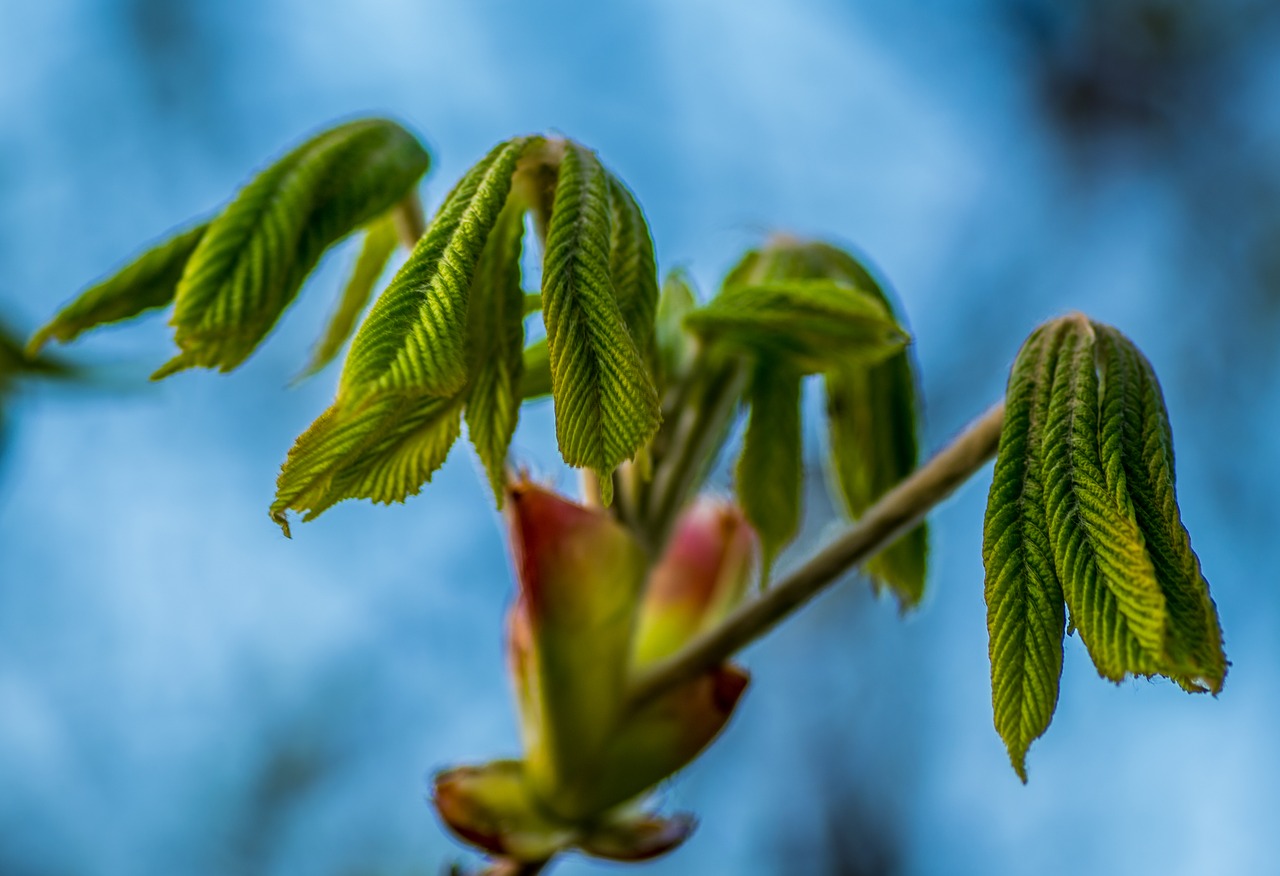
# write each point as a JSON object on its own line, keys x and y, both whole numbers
{"x": 702, "y": 576}
{"x": 491, "y": 807}
{"x": 580, "y": 576}
{"x": 583, "y": 619}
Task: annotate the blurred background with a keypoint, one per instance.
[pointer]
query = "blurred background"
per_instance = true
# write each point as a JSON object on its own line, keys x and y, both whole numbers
{"x": 184, "y": 691}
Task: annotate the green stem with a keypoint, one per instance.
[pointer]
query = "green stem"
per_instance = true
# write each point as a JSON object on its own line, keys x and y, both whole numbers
{"x": 703, "y": 413}
{"x": 895, "y": 513}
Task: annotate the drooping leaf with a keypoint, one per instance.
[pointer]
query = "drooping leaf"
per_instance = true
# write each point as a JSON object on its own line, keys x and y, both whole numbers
{"x": 496, "y": 346}
{"x": 871, "y": 404}
{"x": 17, "y": 363}
{"x": 872, "y": 428}
{"x": 770, "y": 471}
{"x": 379, "y": 244}
{"x": 606, "y": 405}
{"x": 253, "y": 258}
{"x": 812, "y": 324}
{"x": 1026, "y": 616}
{"x": 872, "y": 415}
{"x": 632, "y": 266}
{"x": 535, "y": 378}
{"x": 415, "y": 336}
{"x": 147, "y": 282}
{"x": 1083, "y": 495}
{"x": 1107, "y": 577}
{"x": 1137, "y": 451}
{"x": 382, "y": 447}
{"x": 675, "y": 347}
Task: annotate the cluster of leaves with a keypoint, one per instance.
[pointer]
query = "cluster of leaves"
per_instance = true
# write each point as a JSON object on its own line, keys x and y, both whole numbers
{"x": 230, "y": 277}
{"x": 1083, "y": 518}
{"x": 446, "y": 341}
{"x": 797, "y": 308}
{"x": 1082, "y": 522}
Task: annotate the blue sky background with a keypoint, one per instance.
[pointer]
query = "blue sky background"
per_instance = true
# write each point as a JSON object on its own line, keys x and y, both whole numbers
{"x": 184, "y": 691}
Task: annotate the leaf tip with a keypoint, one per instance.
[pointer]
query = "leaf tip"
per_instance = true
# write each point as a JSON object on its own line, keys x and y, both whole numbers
{"x": 38, "y": 341}
{"x": 280, "y": 516}
{"x": 180, "y": 362}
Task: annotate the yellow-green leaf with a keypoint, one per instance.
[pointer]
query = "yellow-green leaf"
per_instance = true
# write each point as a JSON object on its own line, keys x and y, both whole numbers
{"x": 770, "y": 471}
{"x": 1137, "y": 450}
{"x": 631, "y": 265}
{"x": 253, "y": 258}
{"x": 496, "y": 347}
{"x": 674, "y": 343}
{"x": 1026, "y": 617}
{"x": 379, "y": 243}
{"x": 1107, "y": 577}
{"x": 415, "y": 336}
{"x": 382, "y": 447}
{"x": 146, "y": 283}
{"x": 606, "y": 404}
{"x": 812, "y": 324}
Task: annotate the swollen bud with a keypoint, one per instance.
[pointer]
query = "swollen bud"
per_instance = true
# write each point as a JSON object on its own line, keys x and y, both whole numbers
{"x": 584, "y": 619}
{"x": 701, "y": 577}
{"x": 580, "y": 575}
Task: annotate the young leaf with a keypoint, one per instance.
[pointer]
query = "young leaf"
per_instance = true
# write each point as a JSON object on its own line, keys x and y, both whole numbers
{"x": 606, "y": 405}
{"x": 770, "y": 471}
{"x": 1137, "y": 451}
{"x": 1108, "y": 579}
{"x": 871, "y": 419}
{"x": 253, "y": 258}
{"x": 379, "y": 243}
{"x": 675, "y": 351}
{"x": 813, "y": 324}
{"x": 415, "y": 336}
{"x": 535, "y": 379}
{"x": 631, "y": 265}
{"x": 1025, "y": 613}
{"x": 871, "y": 405}
{"x": 148, "y": 282}
{"x": 496, "y": 346}
{"x": 382, "y": 447}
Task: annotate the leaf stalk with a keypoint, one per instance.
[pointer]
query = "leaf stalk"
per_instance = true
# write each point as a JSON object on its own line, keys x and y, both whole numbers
{"x": 894, "y": 514}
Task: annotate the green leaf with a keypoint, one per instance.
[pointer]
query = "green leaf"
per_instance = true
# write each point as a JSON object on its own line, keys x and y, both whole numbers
{"x": 871, "y": 419}
{"x": 496, "y": 347}
{"x": 379, "y": 244}
{"x": 1137, "y": 450}
{"x": 770, "y": 471}
{"x": 813, "y": 324}
{"x": 631, "y": 265}
{"x": 382, "y": 447}
{"x": 1025, "y": 612}
{"x": 675, "y": 347}
{"x": 17, "y": 363}
{"x": 254, "y": 257}
{"x": 147, "y": 282}
{"x": 871, "y": 402}
{"x": 606, "y": 405}
{"x": 415, "y": 336}
{"x": 1108, "y": 579}
{"x": 535, "y": 380}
